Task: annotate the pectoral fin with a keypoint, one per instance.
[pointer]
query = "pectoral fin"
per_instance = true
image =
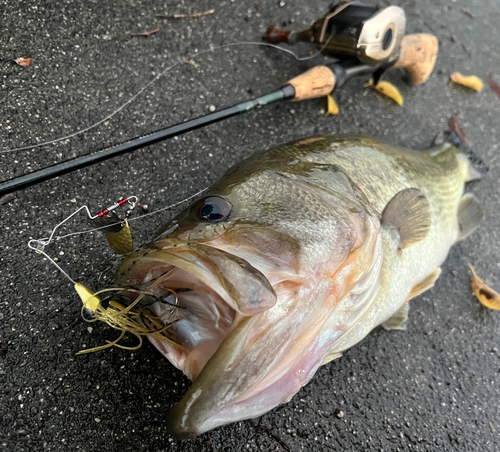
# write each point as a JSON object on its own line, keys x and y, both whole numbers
{"x": 470, "y": 215}
{"x": 427, "y": 283}
{"x": 409, "y": 213}
{"x": 398, "y": 320}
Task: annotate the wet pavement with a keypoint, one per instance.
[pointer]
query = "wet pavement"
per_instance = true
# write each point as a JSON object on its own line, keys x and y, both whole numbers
{"x": 434, "y": 387}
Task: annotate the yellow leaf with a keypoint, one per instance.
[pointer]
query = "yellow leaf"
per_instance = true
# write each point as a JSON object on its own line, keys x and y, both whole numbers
{"x": 471, "y": 81}
{"x": 486, "y": 296}
{"x": 387, "y": 89}
{"x": 330, "y": 105}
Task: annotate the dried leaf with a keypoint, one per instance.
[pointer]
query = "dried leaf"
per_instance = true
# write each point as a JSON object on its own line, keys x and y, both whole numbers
{"x": 455, "y": 127}
{"x": 7, "y": 198}
{"x": 186, "y": 16}
{"x": 387, "y": 89}
{"x": 24, "y": 61}
{"x": 493, "y": 85}
{"x": 330, "y": 105}
{"x": 470, "y": 81}
{"x": 146, "y": 33}
{"x": 486, "y": 296}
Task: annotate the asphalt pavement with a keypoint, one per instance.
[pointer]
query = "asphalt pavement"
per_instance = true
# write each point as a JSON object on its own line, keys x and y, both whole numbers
{"x": 434, "y": 387}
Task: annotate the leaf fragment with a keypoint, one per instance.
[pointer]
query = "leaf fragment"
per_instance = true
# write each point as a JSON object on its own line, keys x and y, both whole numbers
{"x": 486, "y": 296}
{"x": 470, "y": 81}
{"x": 24, "y": 61}
{"x": 7, "y": 198}
{"x": 387, "y": 89}
{"x": 331, "y": 107}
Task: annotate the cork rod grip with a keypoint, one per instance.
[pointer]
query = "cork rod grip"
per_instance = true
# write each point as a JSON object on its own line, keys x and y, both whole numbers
{"x": 316, "y": 82}
{"x": 418, "y": 54}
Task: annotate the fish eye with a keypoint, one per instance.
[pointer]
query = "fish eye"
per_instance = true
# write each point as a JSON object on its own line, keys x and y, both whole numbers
{"x": 213, "y": 209}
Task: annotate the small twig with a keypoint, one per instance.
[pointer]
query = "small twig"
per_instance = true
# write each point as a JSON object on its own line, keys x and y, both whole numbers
{"x": 145, "y": 33}
{"x": 493, "y": 85}
{"x": 467, "y": 13}
{"x": 196, "y": 65}
{"x": 276, "y": 437}
{"x": 455, "y": 127}
{"x": 186, "y": 16}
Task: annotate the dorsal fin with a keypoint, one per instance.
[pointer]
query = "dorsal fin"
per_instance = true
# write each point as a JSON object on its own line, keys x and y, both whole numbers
{"x": 470, "y": 215}
{"x": 408, "y": 212}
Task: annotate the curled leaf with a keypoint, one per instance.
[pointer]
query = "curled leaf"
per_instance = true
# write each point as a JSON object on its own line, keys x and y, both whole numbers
{"x": 387, "y": 89}
{"x": 470, "y": 81}
{"x": 24, "y": 61}
{"x": 486, "y": 296}
{"x": 330, "y": 105}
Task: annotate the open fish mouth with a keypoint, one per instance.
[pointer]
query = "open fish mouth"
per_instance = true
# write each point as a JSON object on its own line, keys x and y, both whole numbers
{"x": 198, "y": 291}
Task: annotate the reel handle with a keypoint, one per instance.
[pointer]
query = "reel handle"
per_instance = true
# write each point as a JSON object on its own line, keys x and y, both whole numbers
{"x": 418, "y": 54}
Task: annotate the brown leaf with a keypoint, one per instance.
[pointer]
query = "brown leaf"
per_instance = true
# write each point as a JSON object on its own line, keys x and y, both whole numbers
{"x": 486, "y": 296}
{"x": 24, "y": 61}
{"x": 455, "y": 127}
{"x": 493, "y": 85}
{"x": 186, "y": 16}
{"x": 7, "y": 198}
{"x": 146, "y": 33}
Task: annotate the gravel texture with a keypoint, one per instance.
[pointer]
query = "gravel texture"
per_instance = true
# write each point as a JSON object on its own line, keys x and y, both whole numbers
{"x": 434, "y": 387}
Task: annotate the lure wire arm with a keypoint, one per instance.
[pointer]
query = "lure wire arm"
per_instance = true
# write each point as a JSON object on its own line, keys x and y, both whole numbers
{"x": 38, "y": 245}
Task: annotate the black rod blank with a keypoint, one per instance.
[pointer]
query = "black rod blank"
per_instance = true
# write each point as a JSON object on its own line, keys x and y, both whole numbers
{"x": 18, "y": 183}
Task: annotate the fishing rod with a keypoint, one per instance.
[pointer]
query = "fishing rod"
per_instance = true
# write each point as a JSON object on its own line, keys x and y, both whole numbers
{"x": 416, "y": 54}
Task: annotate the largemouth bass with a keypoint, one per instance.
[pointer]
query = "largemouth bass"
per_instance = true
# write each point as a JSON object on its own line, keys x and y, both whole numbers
{"x": 294, "y": 256}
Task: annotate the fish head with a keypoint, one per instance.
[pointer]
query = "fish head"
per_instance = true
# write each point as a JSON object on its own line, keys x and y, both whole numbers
{"x": 247, "y": 265}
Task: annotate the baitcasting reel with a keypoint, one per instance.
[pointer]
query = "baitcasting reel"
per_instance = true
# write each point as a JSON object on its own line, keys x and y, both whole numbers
{"x": 351, "y": 30}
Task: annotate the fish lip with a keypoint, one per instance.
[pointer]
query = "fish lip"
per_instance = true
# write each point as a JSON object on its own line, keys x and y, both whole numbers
{"x": 221, "y": 272}
{"x": 183, "y": 435}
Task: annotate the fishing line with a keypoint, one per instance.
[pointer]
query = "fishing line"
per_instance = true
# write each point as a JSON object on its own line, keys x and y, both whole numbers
{"x": 38, "y": 245}
{"x": 149, "y": 84}
{"x": 121, "y": 317}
